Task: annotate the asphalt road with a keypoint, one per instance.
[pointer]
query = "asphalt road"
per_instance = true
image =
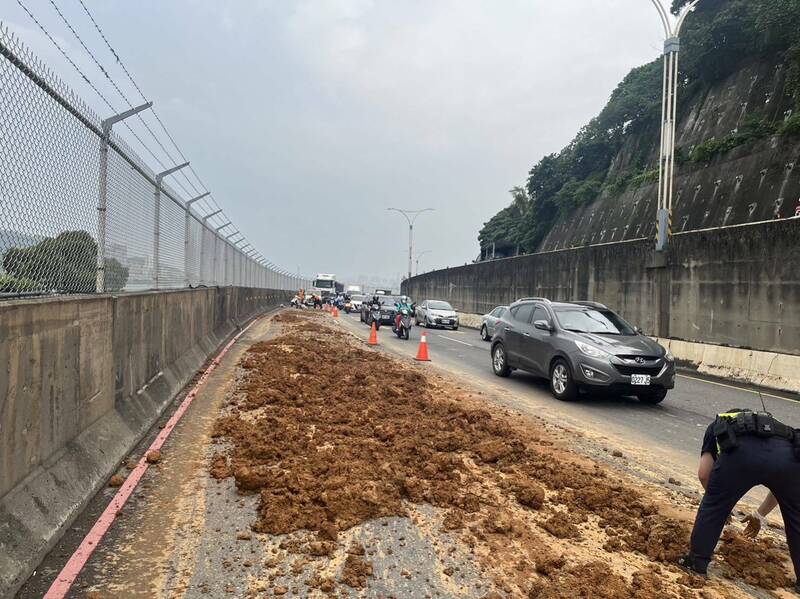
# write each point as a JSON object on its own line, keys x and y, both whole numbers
{"x": 669, "y": 434}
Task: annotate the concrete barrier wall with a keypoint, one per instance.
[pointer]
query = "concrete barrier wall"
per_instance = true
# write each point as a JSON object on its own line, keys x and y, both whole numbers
{"x": 737, "y": 286}
{"x": 82, "y": 379}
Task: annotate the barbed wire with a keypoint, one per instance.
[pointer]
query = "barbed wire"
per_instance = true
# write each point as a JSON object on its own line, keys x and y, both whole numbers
{"x": 114, "y": 84}
{"x": 142, "y": 94}
{"x": 210, "y": 200}
{"x": 85, "y": 77}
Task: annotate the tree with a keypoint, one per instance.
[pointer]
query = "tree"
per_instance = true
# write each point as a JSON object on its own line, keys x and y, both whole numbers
{"x": 64, "y": 264}
{"x": 717, "y": 40}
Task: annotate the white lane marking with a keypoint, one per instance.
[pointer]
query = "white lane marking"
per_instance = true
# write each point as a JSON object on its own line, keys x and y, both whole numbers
{"x": 455, "y": 340}
{"x": 694, "y": 378}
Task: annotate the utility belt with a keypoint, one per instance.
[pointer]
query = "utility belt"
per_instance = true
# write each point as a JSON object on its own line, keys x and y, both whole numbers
{"x": 729, "y": 427}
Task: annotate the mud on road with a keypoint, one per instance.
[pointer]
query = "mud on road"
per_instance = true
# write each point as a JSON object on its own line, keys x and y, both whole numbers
{"x": 330, "y": 436}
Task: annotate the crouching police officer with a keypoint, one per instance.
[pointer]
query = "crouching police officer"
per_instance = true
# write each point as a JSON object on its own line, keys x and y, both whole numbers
{"x": 743, "y": 449}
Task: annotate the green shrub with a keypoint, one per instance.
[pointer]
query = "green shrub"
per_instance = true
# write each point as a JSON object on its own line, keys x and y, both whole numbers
{"x": 12, "y": 284}
{"x": 645, "y": 177}
{"x": 791, "y": 126}
{"x": 753, "y": 128}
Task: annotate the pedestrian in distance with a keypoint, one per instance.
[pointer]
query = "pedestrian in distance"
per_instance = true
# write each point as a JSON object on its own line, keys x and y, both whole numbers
{"x": 743, "y": 449}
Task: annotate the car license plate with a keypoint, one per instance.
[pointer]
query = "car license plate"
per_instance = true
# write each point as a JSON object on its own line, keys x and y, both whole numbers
{"x": 640, "y": 379}
{"x": 444, "y": 321}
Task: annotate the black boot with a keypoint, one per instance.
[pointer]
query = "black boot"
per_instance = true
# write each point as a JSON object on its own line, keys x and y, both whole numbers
{"x": 692, "y": 565}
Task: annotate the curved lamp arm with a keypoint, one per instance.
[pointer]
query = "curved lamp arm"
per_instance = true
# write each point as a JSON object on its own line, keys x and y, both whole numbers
{"x": 682, "y": 18}
{"x": 664, "y": 18}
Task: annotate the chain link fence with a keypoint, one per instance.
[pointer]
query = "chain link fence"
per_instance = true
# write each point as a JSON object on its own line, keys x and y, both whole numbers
{"x": 80, "y": 212}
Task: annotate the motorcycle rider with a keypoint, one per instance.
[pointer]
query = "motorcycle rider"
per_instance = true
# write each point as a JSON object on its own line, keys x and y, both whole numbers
{"x": 404, "y": 303}
{"x": 374, "y": 306}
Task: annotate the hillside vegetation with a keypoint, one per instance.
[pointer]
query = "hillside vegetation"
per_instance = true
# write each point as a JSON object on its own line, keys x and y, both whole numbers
{"x": 717, "y": 39}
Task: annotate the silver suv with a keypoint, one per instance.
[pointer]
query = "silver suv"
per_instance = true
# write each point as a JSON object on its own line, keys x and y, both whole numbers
{"x": 581, "y": 345}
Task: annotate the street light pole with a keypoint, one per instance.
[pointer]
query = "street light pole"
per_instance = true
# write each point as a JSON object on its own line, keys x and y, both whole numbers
{"x": 669, "y": 109}
{"x": 420, "y": 255}
{"x": 411, "y": 217}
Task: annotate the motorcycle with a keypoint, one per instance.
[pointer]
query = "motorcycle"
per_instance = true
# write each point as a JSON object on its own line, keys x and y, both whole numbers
{"x": 348, "y": 307}
{"x": 402, "y": 326}
{"x": 375, "y": 316}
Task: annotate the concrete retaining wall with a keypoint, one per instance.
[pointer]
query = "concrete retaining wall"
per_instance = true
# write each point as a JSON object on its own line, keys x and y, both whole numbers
{"x": 738, "y": 286}
{"x": 760, "y": 368}
{"x": 81, "y": 380}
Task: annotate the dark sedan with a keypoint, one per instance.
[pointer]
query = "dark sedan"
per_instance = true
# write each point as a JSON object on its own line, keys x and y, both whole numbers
{"x": 388, "y": 309}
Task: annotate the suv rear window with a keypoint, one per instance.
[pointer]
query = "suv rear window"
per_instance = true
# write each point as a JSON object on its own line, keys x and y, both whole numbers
{"x": 522, "y": 313}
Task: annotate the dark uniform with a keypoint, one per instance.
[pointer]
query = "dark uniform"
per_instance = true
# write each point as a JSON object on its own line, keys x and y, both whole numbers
{"x": 749, "y": 449}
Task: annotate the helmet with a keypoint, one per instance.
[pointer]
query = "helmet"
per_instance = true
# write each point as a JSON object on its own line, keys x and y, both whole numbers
{"x": 404, "y": 299}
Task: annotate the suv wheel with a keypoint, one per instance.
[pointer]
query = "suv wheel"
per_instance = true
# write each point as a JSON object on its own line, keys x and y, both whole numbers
{"x": 500, "y": 361}
{"x": 652, "y": 396}
{"x": 484, "y": 333}
{"x": 562, "y": 385}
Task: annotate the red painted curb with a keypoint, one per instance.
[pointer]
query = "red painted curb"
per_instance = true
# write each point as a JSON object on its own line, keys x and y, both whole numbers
{"x": 65, "y": 579}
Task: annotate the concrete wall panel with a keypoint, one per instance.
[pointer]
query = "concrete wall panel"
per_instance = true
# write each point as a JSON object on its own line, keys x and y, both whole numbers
{"x": 737, "y": 286}
{"x": 82, "y": 378}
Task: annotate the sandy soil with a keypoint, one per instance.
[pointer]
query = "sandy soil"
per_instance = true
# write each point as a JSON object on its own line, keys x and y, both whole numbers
{"x": 331, "y": 436}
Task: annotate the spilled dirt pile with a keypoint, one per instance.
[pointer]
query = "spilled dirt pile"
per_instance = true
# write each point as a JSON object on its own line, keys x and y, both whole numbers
{"x": 331, "y": 434}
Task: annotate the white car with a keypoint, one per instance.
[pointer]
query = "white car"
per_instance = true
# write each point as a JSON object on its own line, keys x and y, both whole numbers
{"x": 489, "y": 322}
{"x": 356, "y": 301}
{"x": 436, "y": 313}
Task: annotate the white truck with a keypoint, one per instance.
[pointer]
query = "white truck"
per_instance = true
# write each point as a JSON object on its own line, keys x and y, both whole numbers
{"x": 325, "y": 285}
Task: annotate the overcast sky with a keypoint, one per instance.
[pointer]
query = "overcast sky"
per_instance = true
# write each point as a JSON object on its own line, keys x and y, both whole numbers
{"x": 307, "y": 119}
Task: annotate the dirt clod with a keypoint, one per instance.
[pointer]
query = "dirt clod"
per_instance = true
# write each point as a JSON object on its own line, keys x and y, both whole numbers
{"x": 757, "y": 562}
{"x": 153, "y": 456}
{"x": 561, "y": 526}
{"x": 116, "y": 481}
{"x": 594, "y": 580}
{"x": 356, "y": 571}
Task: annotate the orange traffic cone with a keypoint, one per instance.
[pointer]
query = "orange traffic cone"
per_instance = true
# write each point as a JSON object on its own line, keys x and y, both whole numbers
{"x": 335, "y": 312}
{"x": 373, "y": 336}
{"x": 422, "y": 352}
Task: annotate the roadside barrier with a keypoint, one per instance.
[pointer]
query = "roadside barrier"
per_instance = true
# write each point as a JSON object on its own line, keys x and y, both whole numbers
{"x": 61, "y": 586}
{"x": 422, "y": 352}
{"x": 373, "y": 336}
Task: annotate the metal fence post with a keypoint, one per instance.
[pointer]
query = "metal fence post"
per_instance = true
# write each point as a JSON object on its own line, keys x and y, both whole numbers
{"x": 102, "y": 204}
{"x": 220, "y": 280}
{"x": 188, "y": 217}
{"x": 157, "y": 224}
